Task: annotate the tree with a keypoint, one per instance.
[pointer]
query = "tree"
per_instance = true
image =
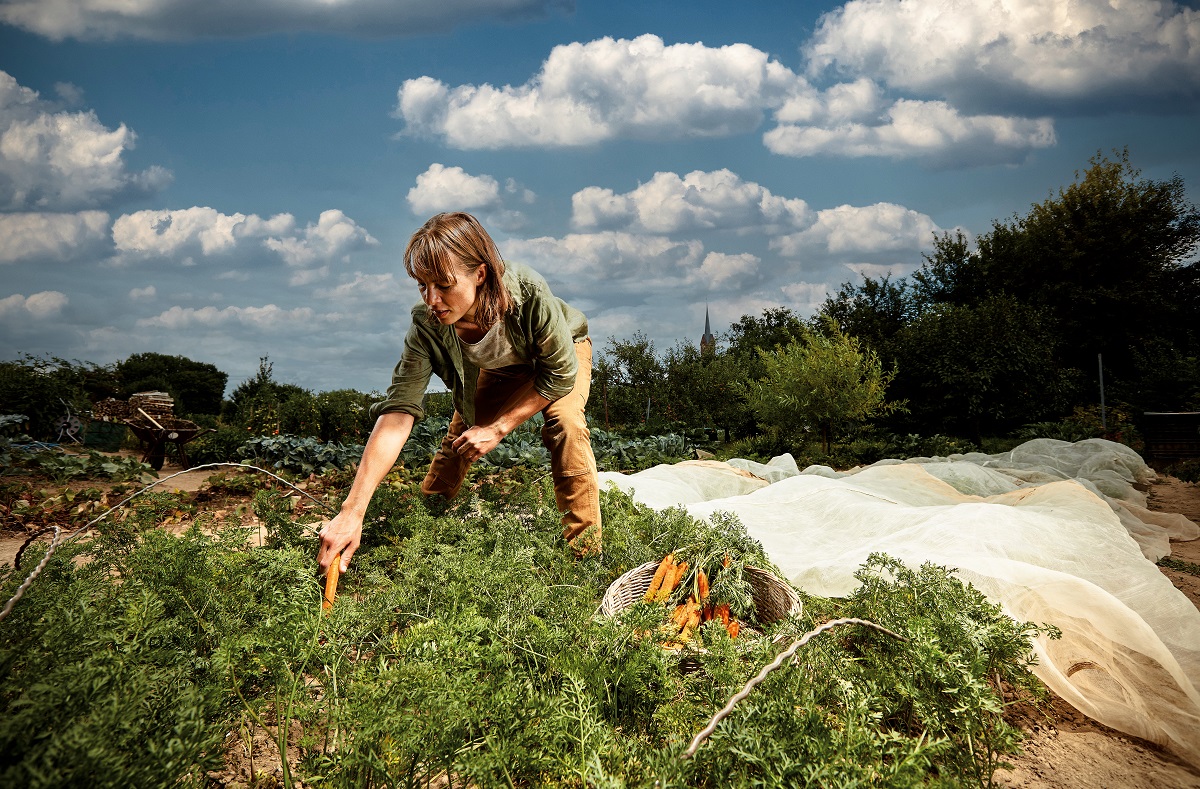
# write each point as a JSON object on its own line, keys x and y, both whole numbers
{"x": 627, "y": 376}
{"x": 952, "y": 274}
{"x": 197, "y": 387}
{"x": 820, "y": 380}
{"x": 874, "y": 312}
{"x": 776, "y": 327}
{"x": 265, "y": 406}
{"x": 728, "y": 410}
{"x": 345, "y": 415}
{"x": 991, "y": 366}
{"x": 684, "y": 392}
{"x": 42, "y": 388}
{"x": 1105, "y": 266}
{"x": 700, "y": 387}
{"x": 1111, "y": 257}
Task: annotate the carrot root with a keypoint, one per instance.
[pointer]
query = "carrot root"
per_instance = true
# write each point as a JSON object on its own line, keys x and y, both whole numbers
{"x": 331, "y": 582}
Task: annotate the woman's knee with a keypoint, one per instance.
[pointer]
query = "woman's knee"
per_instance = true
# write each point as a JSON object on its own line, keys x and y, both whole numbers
{"x": 570, "y": 445}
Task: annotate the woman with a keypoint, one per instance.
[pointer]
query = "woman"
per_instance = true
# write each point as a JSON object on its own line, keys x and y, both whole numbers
{"x": 507, "y": 349}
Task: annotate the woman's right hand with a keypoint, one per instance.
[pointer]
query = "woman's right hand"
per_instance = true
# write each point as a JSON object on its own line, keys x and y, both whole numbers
{"x": 343, "y": 533}
{"x": 340, "y": 535}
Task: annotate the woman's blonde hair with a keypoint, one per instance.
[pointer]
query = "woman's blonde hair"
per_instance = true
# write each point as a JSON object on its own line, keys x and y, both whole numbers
{"x": 458, "y": 238}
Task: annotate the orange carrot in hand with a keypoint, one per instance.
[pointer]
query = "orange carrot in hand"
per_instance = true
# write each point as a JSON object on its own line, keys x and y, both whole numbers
{"x": 331, "y": 582}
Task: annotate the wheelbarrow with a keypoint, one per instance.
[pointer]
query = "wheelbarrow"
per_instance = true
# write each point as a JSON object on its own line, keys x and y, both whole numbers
{"x": 156, "y": 434}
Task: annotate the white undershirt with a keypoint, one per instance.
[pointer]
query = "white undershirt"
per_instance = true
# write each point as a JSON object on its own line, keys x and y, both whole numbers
{"x": 493, "y": 351}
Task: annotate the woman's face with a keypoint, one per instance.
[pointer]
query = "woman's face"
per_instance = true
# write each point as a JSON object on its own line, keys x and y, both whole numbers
{"x": 451, "y": 302}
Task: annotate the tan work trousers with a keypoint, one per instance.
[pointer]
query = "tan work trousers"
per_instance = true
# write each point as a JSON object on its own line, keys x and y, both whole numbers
{"x": 565, "y": 434}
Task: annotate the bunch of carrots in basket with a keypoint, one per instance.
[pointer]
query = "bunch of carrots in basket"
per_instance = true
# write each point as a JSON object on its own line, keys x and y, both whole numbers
{"x": 696, "y": 609}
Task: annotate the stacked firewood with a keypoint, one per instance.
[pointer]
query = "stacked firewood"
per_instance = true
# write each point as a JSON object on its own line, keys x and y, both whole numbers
{"x": 158, "y": 405}
{"x": 112, "y": 410}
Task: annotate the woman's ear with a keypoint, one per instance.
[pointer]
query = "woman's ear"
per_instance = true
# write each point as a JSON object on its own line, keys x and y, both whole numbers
{"x": 481, "y": 274}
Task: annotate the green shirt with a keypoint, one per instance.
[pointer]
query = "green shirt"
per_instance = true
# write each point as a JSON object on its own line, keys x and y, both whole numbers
{"x": 543, "y": 329}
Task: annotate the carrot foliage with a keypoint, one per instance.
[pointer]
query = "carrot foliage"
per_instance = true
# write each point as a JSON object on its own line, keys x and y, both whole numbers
{"x": 465, "y": 648}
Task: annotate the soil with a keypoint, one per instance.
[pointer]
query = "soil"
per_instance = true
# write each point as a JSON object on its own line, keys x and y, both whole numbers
{"x": 1063, "y": 749}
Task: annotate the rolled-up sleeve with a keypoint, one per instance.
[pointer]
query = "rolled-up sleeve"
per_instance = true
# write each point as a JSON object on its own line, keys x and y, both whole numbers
{"x": 553, "y": 346}
{"x": 409, "y": 380}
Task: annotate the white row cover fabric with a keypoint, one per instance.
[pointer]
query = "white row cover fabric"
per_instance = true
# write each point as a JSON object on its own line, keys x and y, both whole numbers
{"x": 1052, "y": 531}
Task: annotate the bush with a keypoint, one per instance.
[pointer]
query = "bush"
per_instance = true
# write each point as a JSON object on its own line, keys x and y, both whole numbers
{"x": 825, "y": 379}
{"x": 43, "y": 388}
{"x": 217, "y": 446}
{"x": 1185, "y": 470}
{"x": 344, "y": 415}
{"x": 1084, "y": 423}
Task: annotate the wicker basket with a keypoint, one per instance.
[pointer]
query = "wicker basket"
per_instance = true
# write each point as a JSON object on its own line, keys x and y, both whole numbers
{"x": 773, "y": 599}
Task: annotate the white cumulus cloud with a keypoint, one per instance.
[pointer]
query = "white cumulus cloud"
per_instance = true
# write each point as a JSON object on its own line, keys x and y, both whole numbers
{"x": 806, "y": 297}
{"x": 333, "y": 237}
{"x": 627, "y": 264}
{"x": 266, "y": 318}
{"x": 37, "y": 236}
{"x": 882, "y": 228}
{"x": 39, "y": 306}
{"x": 668, "y": 203}
{"x": 589, "y": 92}
{"x": 181, "y": 234}
{"x": 184, "y": 19}
{"x": 370, "y": 289}
{"x": 719, "y": 269}
{"x": 139, "y": 294}
{"x": 442, "y": 188}
{"x": 931, "y": 130}
{"x": 642, "y": 88}
{"x": 52, "y": 159}
{"x": 200, "y": 229}
{"x": 974, "y": 52}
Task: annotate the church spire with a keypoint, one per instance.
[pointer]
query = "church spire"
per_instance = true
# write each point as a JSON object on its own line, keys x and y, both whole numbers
{"x": 707, "y": 340}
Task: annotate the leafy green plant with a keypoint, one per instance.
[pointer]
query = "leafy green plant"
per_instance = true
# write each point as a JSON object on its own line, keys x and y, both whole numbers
{"x": 912, "y": 445}
{"x": 1179, "y": 565}
{"x": 615, "y": 452}
{"x": 823, "y": 379}
{"x": 1185, "y": 470}
{"x": 89, "y": 464}
{"x": 465, "y": 647}
{"x": 220, "y": 445}
{"x": 298, "y": 455}
{"x": 9, "y": 425}
{"x": 31, "y": 507}
{"x": 1084, "y": 423}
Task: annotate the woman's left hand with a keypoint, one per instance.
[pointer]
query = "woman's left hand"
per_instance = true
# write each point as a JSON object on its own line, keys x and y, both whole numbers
{"x": 475, "y": 442}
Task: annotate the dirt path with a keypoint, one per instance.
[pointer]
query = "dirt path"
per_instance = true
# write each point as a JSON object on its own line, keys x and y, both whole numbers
{"x": 1068, "y": 750}
{"x": 173, "y": 482}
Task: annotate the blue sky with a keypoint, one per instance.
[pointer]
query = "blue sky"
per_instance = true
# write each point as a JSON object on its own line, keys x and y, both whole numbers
{"x": 232, "y": 180}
